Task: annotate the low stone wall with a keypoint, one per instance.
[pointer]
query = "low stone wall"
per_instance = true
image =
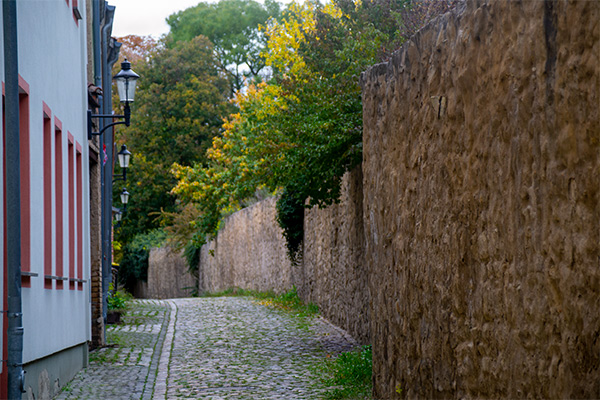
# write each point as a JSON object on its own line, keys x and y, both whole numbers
{"x": 168, "y": 276}
{"x": 481, "y": 205}
{"x": 249, "y": 253}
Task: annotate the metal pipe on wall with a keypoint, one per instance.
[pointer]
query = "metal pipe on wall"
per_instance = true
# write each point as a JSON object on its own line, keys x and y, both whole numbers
{"x": 108, "y": 59}
{"x": 13, "y": 202}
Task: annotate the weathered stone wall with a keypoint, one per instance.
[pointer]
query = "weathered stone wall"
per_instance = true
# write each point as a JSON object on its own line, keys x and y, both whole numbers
{"x": 249, "y": 253}
{"x": 168, "y": 276}
{"x": 333, "y": 274}
{"x": 481, "y": 204}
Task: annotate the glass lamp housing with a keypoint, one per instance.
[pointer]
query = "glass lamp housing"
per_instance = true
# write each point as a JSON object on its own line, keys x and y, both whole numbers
{"x": 126, "y": 81}
{"x": 124, "y": 156}
{"x": 124, "y": 196}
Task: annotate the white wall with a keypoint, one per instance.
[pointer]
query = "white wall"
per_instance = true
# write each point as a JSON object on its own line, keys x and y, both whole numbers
{"x": 52, "y": 60}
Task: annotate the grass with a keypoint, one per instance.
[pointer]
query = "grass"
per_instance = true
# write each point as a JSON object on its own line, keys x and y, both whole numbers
{"x": 288, "y": 301}
{"x": 67, "y": 388}
{"x": 350, "y": 375}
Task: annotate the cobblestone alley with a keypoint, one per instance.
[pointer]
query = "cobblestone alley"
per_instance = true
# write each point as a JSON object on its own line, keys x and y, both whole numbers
{"x": 209, "y": 348}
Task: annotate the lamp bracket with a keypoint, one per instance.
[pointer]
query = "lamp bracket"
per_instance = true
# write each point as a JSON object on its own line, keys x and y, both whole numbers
{"x": 125, "y": 116}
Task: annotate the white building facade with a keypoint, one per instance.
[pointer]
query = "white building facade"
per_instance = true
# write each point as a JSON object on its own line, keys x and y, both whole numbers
{"x": 55, "y": 208}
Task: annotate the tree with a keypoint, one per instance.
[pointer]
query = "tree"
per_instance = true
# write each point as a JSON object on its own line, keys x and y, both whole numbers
{"x": 232, "y": 27}
{"x": 136, "y": 49}
{"x": 302, "y": 131}
{"x": 180, "y": 103}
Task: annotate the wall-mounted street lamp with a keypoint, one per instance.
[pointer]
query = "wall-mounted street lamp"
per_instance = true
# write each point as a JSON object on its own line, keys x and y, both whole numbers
{"x": 124, "y": 196}
{"x": 123, "y": 156}
{"x": 126, "y": 82}
{"x": 118, "y": 215}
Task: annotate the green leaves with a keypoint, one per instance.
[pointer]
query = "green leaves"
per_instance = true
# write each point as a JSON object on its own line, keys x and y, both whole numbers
{"x": 134, "y": 265}
{"x": 179, "y": 107}
{"x": 300, "y": 132}
{"x": 232, "y": 27}
{"x": 290, "y": 216}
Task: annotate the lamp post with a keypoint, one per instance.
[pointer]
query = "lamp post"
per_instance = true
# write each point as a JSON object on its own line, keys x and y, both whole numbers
{"x": 126, "y": 81}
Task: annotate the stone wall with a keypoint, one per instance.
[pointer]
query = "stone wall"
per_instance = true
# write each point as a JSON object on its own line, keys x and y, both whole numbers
{"x": 333, "y": 273}
{"x": 168, "y": 276}
{"x": 249, "y": 253}
{"x": 481, "y": 204}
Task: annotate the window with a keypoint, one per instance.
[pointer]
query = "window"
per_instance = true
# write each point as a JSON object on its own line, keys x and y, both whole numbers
{"x": 79, "y": 167}
{"x": 71, "y": 183}
{"x": 58, "y": 203}
{"x": 25, "y": 156}
{"x": 47, "y": 161}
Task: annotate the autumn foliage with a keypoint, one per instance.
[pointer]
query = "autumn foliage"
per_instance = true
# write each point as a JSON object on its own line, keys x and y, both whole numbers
{"x": 294, "y": 130}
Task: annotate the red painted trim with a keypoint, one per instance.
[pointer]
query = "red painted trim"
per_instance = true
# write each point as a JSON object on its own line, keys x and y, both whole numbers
{"x": 47, "y": 173}
{"x": 58, "y": 192}
{"x": 78, "y": 147}
{"x": 25, "y": 154}
{"x": 71, "y": 166}
{"x": 57, "y": 123}
{"x": 79, "y": 167}
{"x": 73, "y": 13}
{"x": 23, "y": 86}
{"x": 46, "y": 110}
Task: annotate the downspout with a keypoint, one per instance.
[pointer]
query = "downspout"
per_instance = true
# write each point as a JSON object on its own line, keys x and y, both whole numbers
{"x": 107, "y": 63}
{"x": 98, "y": 62}
{"x": 96, "y": 39}
{"x": 13, "y": 202}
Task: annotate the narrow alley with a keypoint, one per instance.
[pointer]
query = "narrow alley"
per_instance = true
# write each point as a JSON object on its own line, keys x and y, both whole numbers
{"x": 209, "y": 348}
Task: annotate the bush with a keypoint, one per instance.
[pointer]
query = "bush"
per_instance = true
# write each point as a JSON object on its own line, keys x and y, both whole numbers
{"x": 117, "y": 299}
{"x": 134, "y": 265}
{"x": 290, "y": 217}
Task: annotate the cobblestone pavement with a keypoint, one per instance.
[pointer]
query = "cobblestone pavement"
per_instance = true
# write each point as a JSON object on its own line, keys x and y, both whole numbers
{"x": 127, "y": 368}
{"x": 211, "y": 348}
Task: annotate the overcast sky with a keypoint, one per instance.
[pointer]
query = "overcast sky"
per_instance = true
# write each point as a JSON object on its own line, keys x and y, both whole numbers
{"x": 145, "y": 17}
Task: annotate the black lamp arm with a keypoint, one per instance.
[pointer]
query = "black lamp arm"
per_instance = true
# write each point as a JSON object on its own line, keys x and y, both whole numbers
{"x": 120, "y": 177}
{"x": 126, "y": 116}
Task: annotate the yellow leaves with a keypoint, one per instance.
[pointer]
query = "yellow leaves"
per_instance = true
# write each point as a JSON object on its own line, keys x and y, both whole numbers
{"x": 214, "y": 154}
{"x": 286, "y": 37}
{"x": 333, "y": 10}
{"x": 257, "y": 144}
